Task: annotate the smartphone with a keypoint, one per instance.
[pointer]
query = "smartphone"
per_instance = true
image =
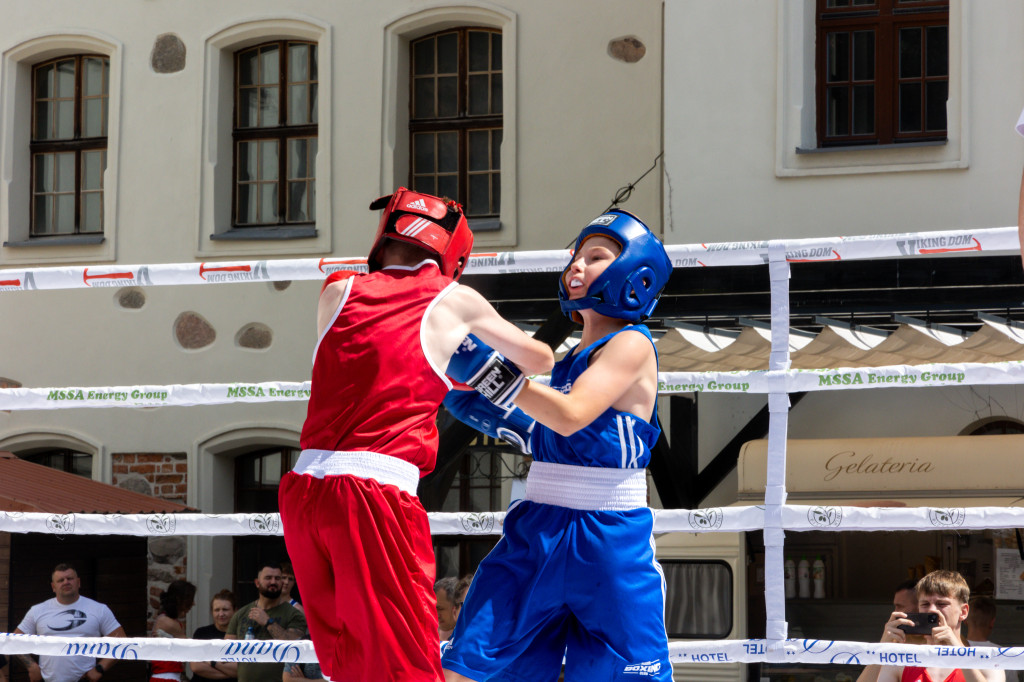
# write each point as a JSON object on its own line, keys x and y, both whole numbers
{"x": 923, "y": 623}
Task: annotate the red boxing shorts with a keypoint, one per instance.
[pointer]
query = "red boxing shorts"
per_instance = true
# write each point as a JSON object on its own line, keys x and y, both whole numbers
{"x": 364, "y": 562}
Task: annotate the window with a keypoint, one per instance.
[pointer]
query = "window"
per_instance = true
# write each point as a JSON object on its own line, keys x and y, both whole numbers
{"x": 69, "y": 145}
{"x": 698, "y": 599}
{"x": 275, "y": 134}
{"x": 79, "y": 463}
{"x": 455, "y": 121}
{"x": 882, "y": 71}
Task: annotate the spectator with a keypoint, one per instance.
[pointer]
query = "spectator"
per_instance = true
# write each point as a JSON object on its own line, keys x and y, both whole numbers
{"x": 222, "y": 607}
{"x": 175, "y": 602}
{"x": 68, "y": 614}
{"x": 288, "y": 585}
{"x": 445, "y": 590}
{"x": 946, "y": 594}
{"x": 904, "y": 601}
{"x": 460, "y": 594}
{"x": 981, "y": 620}
{"x": 269, "y": 617}
{"x": 3, "y": 668}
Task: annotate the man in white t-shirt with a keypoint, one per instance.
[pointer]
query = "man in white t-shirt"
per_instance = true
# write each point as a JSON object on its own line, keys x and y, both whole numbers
{"x": 68, "y": 614}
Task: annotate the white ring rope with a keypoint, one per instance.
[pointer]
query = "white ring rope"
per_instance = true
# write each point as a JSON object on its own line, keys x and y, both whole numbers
{"x": 816, "y": 651}
{"x": 746, "y": 381}
{"x": 793, "y": 517}
{"x": 512, "y": 262}
{"x": 774, "y": 517}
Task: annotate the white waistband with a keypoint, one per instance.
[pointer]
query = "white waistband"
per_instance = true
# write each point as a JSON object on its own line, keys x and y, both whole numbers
{"x": 164, "y": 676}
{"x": 586, "y": 488}
{"x": 384, "y": 469}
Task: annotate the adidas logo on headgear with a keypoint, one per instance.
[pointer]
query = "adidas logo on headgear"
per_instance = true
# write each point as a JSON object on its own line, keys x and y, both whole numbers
{"x": 418, "y": 205}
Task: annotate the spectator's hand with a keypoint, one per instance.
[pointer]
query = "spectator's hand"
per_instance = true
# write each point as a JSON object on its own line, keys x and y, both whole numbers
{"x": 258, "y": 615}
{"x": 943, "y": 634}
{"x": 34, "y": 673}
{"x": 93, "y": 676}
{"x": 892, "y": 634}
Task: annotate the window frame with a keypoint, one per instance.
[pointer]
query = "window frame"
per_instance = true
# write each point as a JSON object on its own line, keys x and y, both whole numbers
{"x": 885, "y": 18}
{"x": 16, "y": 90}
{"x": 395, "y": 156}
{"x": 462, "y": 123}
{"x": 797, "y": 153}
{"x": 215, "y": 234}
{"x": 281, "y": 132}
{"x": 77, "y": 144}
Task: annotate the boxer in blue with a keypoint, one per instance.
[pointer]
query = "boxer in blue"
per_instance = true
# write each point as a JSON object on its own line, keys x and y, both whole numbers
{"x": 574, "y": 574}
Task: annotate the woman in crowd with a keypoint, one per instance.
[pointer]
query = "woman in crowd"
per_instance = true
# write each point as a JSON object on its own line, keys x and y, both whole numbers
{"x": 175, "y": 602}
{"x": 222, "y": 607}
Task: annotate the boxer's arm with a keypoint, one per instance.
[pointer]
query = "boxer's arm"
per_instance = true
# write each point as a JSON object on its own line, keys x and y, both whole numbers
{"x": 463, "y": 311}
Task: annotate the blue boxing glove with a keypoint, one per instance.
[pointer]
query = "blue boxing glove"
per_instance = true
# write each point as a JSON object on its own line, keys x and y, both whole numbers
{"x": 484, "y": 369}
{"x": 511, "y": 425}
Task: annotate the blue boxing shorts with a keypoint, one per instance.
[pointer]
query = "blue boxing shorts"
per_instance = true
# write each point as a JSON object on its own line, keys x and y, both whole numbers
{"x": 565, "y": 582}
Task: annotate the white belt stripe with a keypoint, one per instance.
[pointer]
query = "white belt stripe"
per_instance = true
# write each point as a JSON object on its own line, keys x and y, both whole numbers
{"x": 622, "y": 440}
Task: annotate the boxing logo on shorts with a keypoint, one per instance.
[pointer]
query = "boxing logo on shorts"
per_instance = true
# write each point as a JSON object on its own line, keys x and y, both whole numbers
{"x": 645, "y": 669}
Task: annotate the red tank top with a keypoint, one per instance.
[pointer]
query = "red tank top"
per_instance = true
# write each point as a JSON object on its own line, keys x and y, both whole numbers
{"x": 373, "y": 388}
{"x": 911, "y": 674}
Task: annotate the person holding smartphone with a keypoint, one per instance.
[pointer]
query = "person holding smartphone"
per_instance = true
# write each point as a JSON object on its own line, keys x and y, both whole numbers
{"x": 942, "y": 607}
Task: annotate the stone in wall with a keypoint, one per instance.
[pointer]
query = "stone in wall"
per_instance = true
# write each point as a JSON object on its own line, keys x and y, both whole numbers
{"x": 627, "y": 49}
{"x": 192, "y": 331}
{"x": 131, "y": 298}
{"x": 254, "y": 335}
{"x": 168, "y": 55}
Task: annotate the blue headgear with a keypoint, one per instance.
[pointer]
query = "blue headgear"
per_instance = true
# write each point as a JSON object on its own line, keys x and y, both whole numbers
{"x": 629, "y": 287}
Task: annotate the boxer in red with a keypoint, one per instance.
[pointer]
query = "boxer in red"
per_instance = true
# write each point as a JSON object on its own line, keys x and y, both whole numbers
{"x": 355, "y": 530}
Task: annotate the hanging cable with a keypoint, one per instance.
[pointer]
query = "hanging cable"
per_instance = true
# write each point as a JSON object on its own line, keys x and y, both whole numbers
{"x": 623, "y": 194}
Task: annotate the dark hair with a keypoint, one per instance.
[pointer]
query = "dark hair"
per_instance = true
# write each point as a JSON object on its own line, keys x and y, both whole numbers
{"x": 225, "y": 595}
{"x": 273, "y": 565}
{"x": 176, "y": 599}
{"x": 464, "y": 583}
{"x": 286, "y": 568}
{"x": 60, "y": 568}
{"x": 906, "y": 585}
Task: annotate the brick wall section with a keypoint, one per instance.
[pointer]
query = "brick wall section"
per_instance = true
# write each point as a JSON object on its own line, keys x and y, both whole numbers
{"x": 166, "y": 474}
{"x": 163, "y": 475}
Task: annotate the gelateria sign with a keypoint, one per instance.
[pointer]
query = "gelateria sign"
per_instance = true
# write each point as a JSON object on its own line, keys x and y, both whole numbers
{"x": 936, "y": 463}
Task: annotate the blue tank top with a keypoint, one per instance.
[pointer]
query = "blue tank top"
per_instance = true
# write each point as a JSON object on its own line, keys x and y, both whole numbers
{"x": 616, "y": 439}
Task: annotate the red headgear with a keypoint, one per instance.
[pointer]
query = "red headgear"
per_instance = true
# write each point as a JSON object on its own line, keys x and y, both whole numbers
{"x": 427, "y": 222}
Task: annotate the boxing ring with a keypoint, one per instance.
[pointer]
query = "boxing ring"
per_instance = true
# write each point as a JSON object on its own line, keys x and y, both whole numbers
{"x": 773, "y": 518}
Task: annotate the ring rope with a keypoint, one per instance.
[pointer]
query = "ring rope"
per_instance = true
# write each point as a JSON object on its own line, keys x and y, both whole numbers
{"x": 774, "y": 517}
{"x": 745, "y": 381}
{"x": 513, "y": 262}
{"x": 792, "y": 517}
{"x": 816, "y": 651}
